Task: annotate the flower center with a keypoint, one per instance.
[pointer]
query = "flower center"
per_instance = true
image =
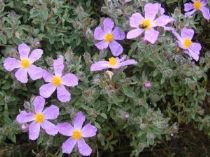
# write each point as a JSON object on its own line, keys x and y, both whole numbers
{"x": 39, "y": 118}
{"x": 112, "y": 61}
{"x": 146, "y": 24}
{"x": 77, "y": 135}
{"x": 197, "y": 5}
{"x": 56, "y": 81}
{"x": 108, "y": 37}
{"x": 187, "y": 43}
{"x": 25, "y": 63}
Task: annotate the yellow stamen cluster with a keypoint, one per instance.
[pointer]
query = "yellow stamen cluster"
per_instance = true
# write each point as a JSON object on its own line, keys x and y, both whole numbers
{"x": 187, "y": 43}
{"x": 25, "y": 63}
{"x": 77, "y": 134}
{"x": 56, "y": 81}
{"x": 146, "y": 24}
{"x": 108, "y": 37}
{"x": 113, "y": 61}
{"x": 197, "y": 5}
{"x": 39, "y": 118}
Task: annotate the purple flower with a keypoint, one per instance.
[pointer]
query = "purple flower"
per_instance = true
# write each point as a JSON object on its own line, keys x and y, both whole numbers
{"x": 148, "y": 23}
{"x": 113, "y": 63}
{"x": 77, "y": 134}
{"x": 25, "y": 64}
{"x": 185, "y": 42}
{"x": 147, "y": 85}
{"x": 58, "y": 81}
{"x": 39, "y": 118}
{"x": 108, "y": 34}
{"x": 197, "y": 5}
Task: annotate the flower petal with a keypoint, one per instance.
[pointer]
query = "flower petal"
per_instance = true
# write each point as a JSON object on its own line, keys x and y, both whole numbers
{"x": 84, "y": 149}
{"x": 35, "y": 55}
{"x": 151, "y": 10}
{"x": 35, "y": 72}
{"x": 108, "y": 24}
{"x": 134, "y": 33}
{"x": 34, "y": 129}
{"x": 78, "y": 120}
{"x": 118, "y": 34}
{"x": 23, "y": 50}
{"x": 25, "y": 117}
{"x": 190, "y": 13}
{"x": 206, "y": 13}
{"x": 116, "y": 48}
{"x": 38, "y": 103}
{"x": 46, "y": 90}
{"x": 101, "y": 65}
{"x": 99, "y": 33}
{"x": 135, "y": 20}
{"x": 11, "y": 64}
{"x": 187, "y": 33}
{"x": 151, "y": 35}
{"x": 195, "y": 47}
{"x": 47, "y": 76}
{"x": 21, "y": 75}
{"x": 68, "y": 145}
{"x": 188, "y": 7}
{"x": 89, "y": 130}
{"x": 58, "y": 66}
{"x": 65, "y": 129}
{"x": 51, "y": 112}
{"x": 163, "y": 20}
{"x": 62, "y": 94}
{"x": 128, "y": 62}
{"x": 70, "y": 80}
{"x": 102, "y": 45}
{"x": 49, "y": 127}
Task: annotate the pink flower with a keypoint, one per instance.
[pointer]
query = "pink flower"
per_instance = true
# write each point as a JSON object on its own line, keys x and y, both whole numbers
{"x": 113, "y": 63}
{"x": 25, "y": 64}
{"x": 77, "y": 134}
{"x": 58, "y": 81}
{"x": 148, "y": 23}
{"x": 197, "y": 5}
{"x": 107, "y": 35}
{"x": 39, "y": 118}
{"x": 147, "y": 85}
{"x": 185, "y": 42}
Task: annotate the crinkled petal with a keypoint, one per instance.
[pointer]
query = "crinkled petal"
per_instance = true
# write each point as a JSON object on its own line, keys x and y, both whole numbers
{"x": 11, "y": 64}
{"x": 151, "y": 10}
{"x": 101, "y": 65}
{"x": 25, "y": 117}
{"x": 116, "y": 48}
{"x": 34, "y": 129}
{"x": 128, "y": 62}
{"x": 21, "y": 75}
{"x": 108, "y": 25}
{"x": 35, "y": 72}
{"x": 78, "y": 120}
{"x": 118, "y": 34}
{"x": 99, "y": 33}
{"x": 51, "y": 112}
{"x": 196, "y": 47}
{"x": 187, "y": 33}
{"x": 23, "y": 50}
{"x": 46, "y": 90}
{"x": 50, "y": 128}
{"x": 151, "y": 35}
{"x": 134, "y": 33}
{"x": 68, "y": 145}
{"x": 89, "y": 130}
{"x": 163, "y": 20}
{"x": 58, "y": 66}
{"x": 70, "y": 80}
{"x": 35, "y": 55}
{"x": 135, "y": 20}
{"x": 65, "y": 129}
{"x": 102, "y": 45}
{"x": 188, "y": 7}
{"x": 206, "y": 13}
{"x": 38, "y": 103}
{"x": 47, "y": 76}
{"x": 190, "y": 13}
{"x": 62, "y": 94}
{"x": 84, "y": 148}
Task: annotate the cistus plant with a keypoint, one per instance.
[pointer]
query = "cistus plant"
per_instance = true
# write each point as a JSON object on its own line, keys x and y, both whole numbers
{"x": 133, "y": 94}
